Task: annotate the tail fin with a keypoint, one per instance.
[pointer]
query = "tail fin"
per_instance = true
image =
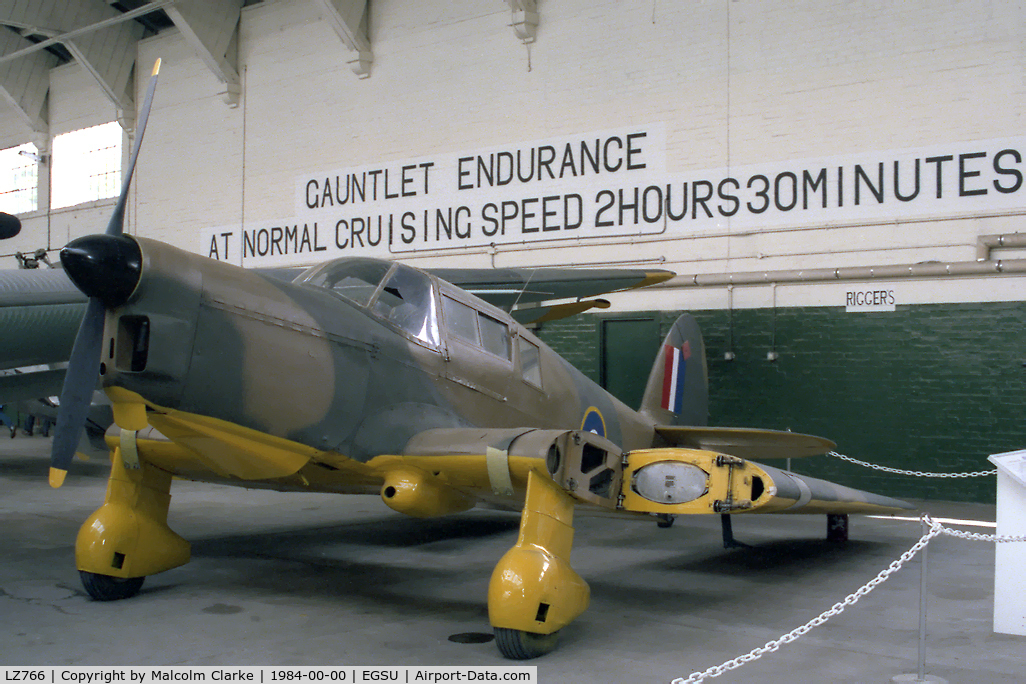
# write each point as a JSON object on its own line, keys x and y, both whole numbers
{"x": 677, "y": 392}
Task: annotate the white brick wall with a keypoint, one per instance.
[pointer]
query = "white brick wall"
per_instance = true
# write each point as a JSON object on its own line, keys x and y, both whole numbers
{"x": 733, "y": 84}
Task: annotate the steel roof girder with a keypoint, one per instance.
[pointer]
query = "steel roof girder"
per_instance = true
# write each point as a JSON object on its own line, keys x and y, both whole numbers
{"x": 211, "y": 27}
{"x": 25, "y": 83}
{"x": 349, "y": 19}
{"x": 524, "y": 19}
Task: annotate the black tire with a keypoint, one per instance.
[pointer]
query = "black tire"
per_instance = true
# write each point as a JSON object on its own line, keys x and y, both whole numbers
{"x": 107, "y": 588}
{"x": 517, "y": 644}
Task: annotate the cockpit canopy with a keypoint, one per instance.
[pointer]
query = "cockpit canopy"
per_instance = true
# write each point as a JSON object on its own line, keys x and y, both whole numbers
{"x": 395, "y": 293}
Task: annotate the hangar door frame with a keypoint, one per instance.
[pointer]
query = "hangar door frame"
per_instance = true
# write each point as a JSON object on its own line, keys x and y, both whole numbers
{"x": 627, "y": 349}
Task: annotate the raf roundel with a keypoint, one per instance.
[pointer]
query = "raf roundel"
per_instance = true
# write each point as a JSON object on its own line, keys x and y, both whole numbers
{"x": 594, "y": 422}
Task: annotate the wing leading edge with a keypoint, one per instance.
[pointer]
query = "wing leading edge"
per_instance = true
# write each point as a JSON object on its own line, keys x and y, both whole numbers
{"x": 745, "y": 442}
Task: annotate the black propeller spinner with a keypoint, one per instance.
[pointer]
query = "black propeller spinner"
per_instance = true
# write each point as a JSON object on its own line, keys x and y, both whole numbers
{"x": 10, "y": 226}
{"x": 106, "y": 268}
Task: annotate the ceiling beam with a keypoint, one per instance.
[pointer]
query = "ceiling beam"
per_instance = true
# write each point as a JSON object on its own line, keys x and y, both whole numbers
{"x": 349, "y": 19}
{"x": 524, "y": 19}
{"x": 211, "y": 27}
{"x": 25, "y": 83}
{"x": 102, "y": 43}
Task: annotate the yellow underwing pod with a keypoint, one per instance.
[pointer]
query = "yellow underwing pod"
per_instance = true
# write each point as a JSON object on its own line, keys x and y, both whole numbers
{"x": 415, "y": 493}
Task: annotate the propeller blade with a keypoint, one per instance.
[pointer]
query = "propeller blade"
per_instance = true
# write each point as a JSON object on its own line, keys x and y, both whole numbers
{"x": 117, "y": 220}
{"x": 107, "y": 269}
{"x": 10, "y": 226}
{"x": 77, "y": 394}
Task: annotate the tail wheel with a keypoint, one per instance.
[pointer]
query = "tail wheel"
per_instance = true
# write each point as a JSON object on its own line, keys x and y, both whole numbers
{"x": 517, "y": 644}
{"x": 107, "y": 588}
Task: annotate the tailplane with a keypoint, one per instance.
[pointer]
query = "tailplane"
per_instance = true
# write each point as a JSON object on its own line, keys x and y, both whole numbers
{"x": 677, "y": 392}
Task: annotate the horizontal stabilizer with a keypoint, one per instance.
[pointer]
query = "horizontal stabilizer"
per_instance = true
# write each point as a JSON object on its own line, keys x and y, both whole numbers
{"x": 505, "y": 287}
{"x": 747, "y": 443}
{"x": 545, "y": 314}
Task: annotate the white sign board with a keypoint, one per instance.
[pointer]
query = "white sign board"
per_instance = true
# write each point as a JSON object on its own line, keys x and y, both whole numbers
{"x": 612, "y": 184}
{"x": 869, "y": 299}
{"x": 1010, "y": 557}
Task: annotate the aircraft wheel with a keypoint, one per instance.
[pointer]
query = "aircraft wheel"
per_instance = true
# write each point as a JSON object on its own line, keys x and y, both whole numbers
{"x": 517, "y": 644}
{"x": 107, "y": 588}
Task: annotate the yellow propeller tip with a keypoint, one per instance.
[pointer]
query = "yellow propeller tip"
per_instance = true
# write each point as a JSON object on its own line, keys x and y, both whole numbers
{"x": 57, "y": 477}
{"x": 156, "y": 67}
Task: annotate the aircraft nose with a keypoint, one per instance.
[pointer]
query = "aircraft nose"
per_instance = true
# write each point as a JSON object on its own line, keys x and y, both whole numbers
{"x": 107, "y": 267}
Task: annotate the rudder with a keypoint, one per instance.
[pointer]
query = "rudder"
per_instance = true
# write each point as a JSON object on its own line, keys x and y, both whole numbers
{"x": 677, "y": 392}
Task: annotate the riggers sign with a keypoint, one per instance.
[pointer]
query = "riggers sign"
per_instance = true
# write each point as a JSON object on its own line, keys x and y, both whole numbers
{"x": 613, "y": 184}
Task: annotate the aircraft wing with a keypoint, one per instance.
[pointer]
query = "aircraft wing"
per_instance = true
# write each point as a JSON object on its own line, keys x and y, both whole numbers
{"x": 745, "y": 442}
{"x": 447, "y": 470}
{"x": 18, "y": 385}
{"x": 489, "y": 465}
{"x": 506, "y": 287}
{"x": 39, "y": 313}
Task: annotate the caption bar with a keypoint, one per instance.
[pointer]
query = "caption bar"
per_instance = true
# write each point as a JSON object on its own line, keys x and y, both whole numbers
{"x": 528, "y": 674}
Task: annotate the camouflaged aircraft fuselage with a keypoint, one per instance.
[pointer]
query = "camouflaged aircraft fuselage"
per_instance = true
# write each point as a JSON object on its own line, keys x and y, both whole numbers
{"x": 336, "y": 368}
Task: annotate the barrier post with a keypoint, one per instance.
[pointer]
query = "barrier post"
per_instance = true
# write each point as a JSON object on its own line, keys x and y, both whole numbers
{"x": 920, "y": 674}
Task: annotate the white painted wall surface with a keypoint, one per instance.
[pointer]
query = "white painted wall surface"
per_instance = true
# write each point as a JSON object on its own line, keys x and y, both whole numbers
{"x": 729, "y": 85}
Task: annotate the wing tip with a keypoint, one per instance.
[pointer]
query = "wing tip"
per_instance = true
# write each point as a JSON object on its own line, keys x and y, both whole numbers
{"x": 654, "y": 278}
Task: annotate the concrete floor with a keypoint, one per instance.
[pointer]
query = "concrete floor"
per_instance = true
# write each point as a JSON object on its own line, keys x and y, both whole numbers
{"x": 279, "y": 579}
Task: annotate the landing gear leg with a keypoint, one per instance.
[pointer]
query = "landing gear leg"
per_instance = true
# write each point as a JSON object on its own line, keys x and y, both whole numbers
{"x": 837, "y": 527}
{"x": 728, "y": 534}
{"x": 128, "y": 538}
{"x": 534, "y": 592}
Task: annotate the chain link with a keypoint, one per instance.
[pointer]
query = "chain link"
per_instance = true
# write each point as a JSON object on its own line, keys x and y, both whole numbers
{"x": 914, "y": 473}
{"x": 936, "y": 529}
{"x": 972, "y": 536}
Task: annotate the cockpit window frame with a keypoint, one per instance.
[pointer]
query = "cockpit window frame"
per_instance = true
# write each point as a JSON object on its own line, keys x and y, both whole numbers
{"x": 493, "y": 314}
{"x": 434, "y": 322}
{"x": 432, "y": 342}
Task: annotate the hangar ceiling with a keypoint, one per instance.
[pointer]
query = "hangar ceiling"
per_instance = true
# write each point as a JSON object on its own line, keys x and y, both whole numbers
{"x": 101, "y": 35}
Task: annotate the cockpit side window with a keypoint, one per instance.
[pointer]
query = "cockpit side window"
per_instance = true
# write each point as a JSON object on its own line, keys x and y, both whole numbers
{"x": 406, "y": 300}
{"x": 476, "y": 328}
{"x": 494, "y": 336}
{"x": 530, "y": 362}
{"x": 461, "y": 320}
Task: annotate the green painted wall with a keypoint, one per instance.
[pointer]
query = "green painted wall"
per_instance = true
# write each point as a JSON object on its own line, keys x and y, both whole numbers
{"x": 928, "y": 387}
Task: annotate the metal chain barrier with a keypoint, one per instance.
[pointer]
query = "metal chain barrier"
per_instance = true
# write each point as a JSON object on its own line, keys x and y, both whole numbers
{"x": 914, "y": 473}
{"x": 935, "y": 529}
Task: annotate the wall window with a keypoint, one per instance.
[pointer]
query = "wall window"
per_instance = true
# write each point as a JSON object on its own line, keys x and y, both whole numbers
{"x": 86, "y": 165}
{"x": 19, "y": 179}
